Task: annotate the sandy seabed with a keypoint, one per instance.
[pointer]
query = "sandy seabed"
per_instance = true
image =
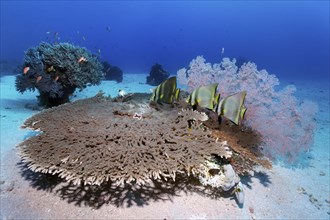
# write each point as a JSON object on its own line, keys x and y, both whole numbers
{"x": 301, "y": 192}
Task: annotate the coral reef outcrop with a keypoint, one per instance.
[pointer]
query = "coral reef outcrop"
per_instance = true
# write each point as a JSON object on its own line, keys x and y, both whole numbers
{"x": 112, "y": 72}
{"x": 57, "y": 70}
{"x": 157, "y": 75}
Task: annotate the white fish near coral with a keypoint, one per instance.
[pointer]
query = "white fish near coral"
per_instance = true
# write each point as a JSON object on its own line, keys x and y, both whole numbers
{"x": 122, "y": 92}
{"x": 223, "y": 50}
{"x": 239, "y": 193}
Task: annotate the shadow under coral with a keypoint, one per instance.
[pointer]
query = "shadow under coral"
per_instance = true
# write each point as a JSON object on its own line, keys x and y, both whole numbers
{"x": 129, "y": 194}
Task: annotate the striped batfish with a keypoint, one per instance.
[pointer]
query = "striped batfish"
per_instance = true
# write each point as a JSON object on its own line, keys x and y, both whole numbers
{"x": 205, "y": 97}
{"x": 232, "y": 107}
{"x": 166, "y": 92}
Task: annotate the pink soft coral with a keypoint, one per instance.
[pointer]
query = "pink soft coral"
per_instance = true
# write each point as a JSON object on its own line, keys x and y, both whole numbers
{"x": 285, "y": 124}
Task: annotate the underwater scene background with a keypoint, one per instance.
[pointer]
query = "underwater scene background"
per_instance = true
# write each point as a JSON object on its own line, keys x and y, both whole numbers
{"x": 288, "y": 38}
{"x": 165, "y": 109}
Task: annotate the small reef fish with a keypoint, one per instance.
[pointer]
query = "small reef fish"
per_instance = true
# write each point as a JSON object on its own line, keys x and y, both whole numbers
{"x": 232, "y": 107}
{"x": 205, "y": 97}
{"x": 83, "y": 37}
{"x": 38, "y": 79}
{"x": 56, "y": 78}
{"x": 48, "y": 32}
{"x": 26, "y": 69}
{"x": 223, "y": 50}
{"x": 122, "y": 92}
{"x": 108, "y": 29}
{"x": 82, "y": 59}
{"x": 166, "y": 92}
{"x": 51, "y": 69}
{"x": 99, "y": 51}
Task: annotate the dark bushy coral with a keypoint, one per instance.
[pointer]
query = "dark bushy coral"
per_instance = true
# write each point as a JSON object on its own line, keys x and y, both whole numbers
{"x": 112, "y": 72}
{"x": 157, "y": 75}
{"x": 55, "y": 71}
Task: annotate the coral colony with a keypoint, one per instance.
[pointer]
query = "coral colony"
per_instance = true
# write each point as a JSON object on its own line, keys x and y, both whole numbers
{"x": 214, "y": 133}
{"x": 57, "y": 70}
{"x": 286, "y": 125}
{"x": 157, "y": 75}
{"x": 112, "y": 72}
{"x": 97, "y": 140}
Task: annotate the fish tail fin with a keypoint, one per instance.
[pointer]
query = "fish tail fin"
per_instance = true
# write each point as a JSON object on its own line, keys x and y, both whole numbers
{"x": 216, "y": 101}
{"x": 242, "y": 112}
{"x": 188, "y": 99}
{"x": 176, "y": 95}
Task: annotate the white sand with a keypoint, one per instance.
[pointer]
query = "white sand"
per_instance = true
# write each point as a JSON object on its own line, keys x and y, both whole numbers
{"x": 282, "y": 193}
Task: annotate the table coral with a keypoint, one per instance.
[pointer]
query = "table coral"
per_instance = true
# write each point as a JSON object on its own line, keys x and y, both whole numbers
{"x": 96, "y": 140}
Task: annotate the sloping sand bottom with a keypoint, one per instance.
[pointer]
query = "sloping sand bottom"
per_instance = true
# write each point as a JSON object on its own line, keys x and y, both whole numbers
{"x": 281, "y": 193}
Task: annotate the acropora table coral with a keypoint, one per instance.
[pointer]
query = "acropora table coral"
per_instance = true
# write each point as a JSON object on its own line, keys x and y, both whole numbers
{"x": 96, "y": 140}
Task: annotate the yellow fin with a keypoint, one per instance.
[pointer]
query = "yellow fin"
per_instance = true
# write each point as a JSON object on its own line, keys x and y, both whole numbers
{"x": 242, "y": 112}
{"x": 177, "y": 93}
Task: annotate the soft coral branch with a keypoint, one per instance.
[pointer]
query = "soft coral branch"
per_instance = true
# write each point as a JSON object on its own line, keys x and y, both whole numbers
{"x": 285, "y": 124}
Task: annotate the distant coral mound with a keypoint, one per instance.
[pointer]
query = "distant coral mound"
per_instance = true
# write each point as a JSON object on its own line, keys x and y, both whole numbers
{"x": 57, "y": 70}
{"x": 157, "y": 75}
{"x": 112, "y": 72}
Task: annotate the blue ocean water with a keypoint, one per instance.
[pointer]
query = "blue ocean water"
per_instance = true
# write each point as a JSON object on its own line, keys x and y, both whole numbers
{"x": 288, "y": 38}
